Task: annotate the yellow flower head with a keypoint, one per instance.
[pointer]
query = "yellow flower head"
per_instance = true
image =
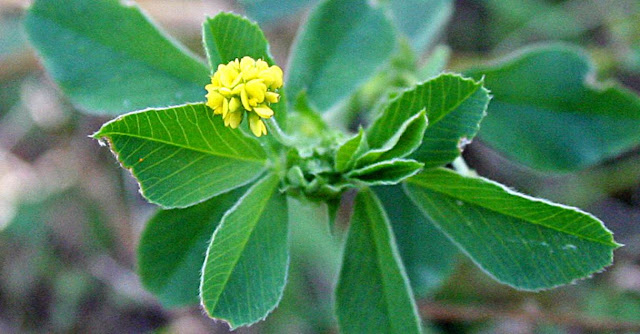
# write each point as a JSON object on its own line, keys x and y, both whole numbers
{"x": 245, "y": 85}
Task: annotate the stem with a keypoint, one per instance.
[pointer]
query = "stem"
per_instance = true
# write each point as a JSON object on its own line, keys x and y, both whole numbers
{"x": 461, "y": 167}
{"x": 278, "y": 134}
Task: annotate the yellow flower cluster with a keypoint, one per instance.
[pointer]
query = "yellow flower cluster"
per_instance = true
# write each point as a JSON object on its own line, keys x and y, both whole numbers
{"x": 244, "y": 85}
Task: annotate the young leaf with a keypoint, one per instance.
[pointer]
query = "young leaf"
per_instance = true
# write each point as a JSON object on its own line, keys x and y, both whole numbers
{"x": 549, "y": 114}
{"x": 228, "y": 36}
{"x": 183, "y": 155}
{"x": 173, "y": 246}
{"x": 342, "y": 44}
{"x": 525, "y": 242}
{"x": 406, "y": 138}
{"x": 110, "y": 58}
{"x": 427, "y": 254}
{"x": 455, "y": 106}
{"x": 421, "y": 20}
{"x": 350, "y": 150}
{"x": 246, "y": 265}
{"x": 373, "y": 293}
{"x": 385, "y": 172}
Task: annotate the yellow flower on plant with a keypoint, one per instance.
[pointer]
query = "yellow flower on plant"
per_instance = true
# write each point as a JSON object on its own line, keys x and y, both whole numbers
{"x": 244, "y": 85}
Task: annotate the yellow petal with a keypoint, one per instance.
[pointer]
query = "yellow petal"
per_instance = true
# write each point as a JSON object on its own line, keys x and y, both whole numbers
{"x": 216, "y": 109}
{"x": 215, "y": 79}
{"x": 247, "y": 61}
{"x": 237, "y": 89}
{"x": 248, "y": 68}
{"x": 226, "y": 92}
{"x": 245, "y": 100}
{"x": 264, "y": 112}
{"x": 236, "y": 81}
{"x": 274, "y": 74}
{"x": 256, "y": 90}
{"x": 234, "y": 104}
{"x": 228, "y": 76}
{"x": 225, "y": 107}
{"x": 235, "y": 64}
{"x": 234, "y": 119}
{"x": 261, "y": 65}
{"x": 267, "y": 77}
{"x": 214, "y": 100}
{"x": 257, "y": 125}
{"x": 272, "y": 97}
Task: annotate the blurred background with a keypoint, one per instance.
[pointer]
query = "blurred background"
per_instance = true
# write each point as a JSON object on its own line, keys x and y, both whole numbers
{"x": 70, "y": 217}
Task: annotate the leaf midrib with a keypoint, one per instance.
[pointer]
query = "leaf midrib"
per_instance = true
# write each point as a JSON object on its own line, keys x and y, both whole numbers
{"x": 612, "y": 244}
{"x": 431, "y": 87}
{"x": 376, "y": 244}
{"x": 460, "y": 101}
{"x": 369, "y": 208}
{"x": 108, "y": 134}
{"x": 263, "y": 204}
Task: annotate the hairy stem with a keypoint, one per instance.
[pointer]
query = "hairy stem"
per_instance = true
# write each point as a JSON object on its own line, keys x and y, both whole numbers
{"x": 278, "y": 134}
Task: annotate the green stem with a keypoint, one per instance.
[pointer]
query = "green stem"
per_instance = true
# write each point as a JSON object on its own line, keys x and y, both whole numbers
{"x": 278, "y": 134}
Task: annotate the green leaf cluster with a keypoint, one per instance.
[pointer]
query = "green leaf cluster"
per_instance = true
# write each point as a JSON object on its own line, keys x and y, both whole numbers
{"x": 222, "y": 235}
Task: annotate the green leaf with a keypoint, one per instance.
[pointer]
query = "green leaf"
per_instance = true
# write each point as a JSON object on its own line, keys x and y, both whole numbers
{"x": 228, "y": 36}
{"x": 525, "y": 242}
{"x": 427, "y": 254}
{"x": 386, "y": 172}
{"x": 342, "y": 45}
{"x": 110, "y": 58}
{"x": 393, "y": 142}
{"x": 548, "y": 113}
{"x": 350, "y": 150}
{"x": 173, "y": 246}
{"x": 455, "y": 106}
{"x": 373, "y": 293}
{"x": 183, "y": 155}
{"x": 422, "y": 21}
{"x": 246, "y": 265}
